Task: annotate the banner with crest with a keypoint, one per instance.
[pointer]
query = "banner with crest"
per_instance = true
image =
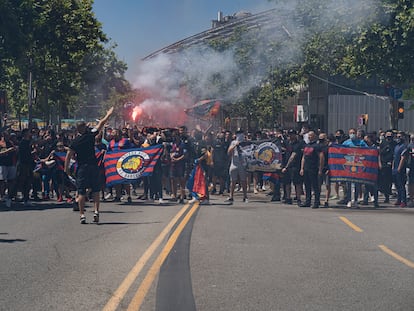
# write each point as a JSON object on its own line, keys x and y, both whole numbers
{"x": 127, "y": 165}
{"x": 353, "y": 164}
{"x": 261, "y": 156}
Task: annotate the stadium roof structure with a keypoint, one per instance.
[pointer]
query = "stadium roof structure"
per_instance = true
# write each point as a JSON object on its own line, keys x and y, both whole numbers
{"x": 225, "y": 28}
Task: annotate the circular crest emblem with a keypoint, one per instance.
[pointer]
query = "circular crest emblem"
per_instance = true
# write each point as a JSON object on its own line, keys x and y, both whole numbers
{"x": 131, "y": 164}
{"x": 267, "y": 153}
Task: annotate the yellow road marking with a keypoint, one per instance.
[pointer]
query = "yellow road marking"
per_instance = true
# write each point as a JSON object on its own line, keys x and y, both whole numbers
{"x": 143, "y": 289}
{"x": 350, "y": 224}
{"x": 119, "y": 294}
{"x": 396, "y": 256}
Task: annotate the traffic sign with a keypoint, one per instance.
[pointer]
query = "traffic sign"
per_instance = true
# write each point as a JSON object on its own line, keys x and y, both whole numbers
{"x": 395, "y": 93}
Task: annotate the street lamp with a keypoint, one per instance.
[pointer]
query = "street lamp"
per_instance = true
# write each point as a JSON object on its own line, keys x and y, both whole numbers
{"x": 273, "y": 99}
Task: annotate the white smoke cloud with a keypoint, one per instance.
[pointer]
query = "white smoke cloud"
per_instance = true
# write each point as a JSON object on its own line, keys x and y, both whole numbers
{"x": 163, "y": 75}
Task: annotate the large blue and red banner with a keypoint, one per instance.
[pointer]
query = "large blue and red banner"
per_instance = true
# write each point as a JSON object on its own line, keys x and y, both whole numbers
{"x": 127, "y": 165}
{"x": 353, "y": 164}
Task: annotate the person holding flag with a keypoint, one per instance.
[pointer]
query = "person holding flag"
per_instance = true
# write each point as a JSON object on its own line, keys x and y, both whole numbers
{"x": 88, "y": 171}
{"x": 353, "y": 141}
{"x": 117, "y": 143}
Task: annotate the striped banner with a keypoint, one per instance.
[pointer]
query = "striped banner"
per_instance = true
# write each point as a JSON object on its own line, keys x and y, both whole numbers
{"x": 353, "y": 164}
{"x": 127, "y": 165}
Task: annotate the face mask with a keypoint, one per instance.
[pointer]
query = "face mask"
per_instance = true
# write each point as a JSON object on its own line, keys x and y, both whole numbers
{"x": 352, "y": 136}
{"x": 389, "y": 138}
{"x": 321, "y": 141}
{"x": 398, "y": 140}
{"x": 338, "y": 137}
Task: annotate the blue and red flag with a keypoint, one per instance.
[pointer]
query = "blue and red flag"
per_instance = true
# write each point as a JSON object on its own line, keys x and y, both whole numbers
{"x": 196, "y": 183}
{"x": 272, "y": 177}
{"x": 353, "y": 164}
{"x": 127, "y": 165}
{"x": 60, "y": 157}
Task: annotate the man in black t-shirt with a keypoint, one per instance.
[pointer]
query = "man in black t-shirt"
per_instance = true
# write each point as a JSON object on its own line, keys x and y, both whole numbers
{"x": 311, "y": 168}
{"x": 87, "y": 175}
{"x": 220, "y": 162}
{"x": 291, "y": 167}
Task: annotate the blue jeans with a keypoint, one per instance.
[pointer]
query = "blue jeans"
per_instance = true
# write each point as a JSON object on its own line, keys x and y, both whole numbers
{"x": 400, "y": 179}
{"x": 349, "y": 191}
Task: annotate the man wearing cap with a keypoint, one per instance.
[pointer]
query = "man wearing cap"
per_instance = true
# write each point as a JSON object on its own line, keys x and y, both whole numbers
{"x": 291, "y": 168}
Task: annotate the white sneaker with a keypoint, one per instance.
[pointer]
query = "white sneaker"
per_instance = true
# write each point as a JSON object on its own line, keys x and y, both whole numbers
{"x": 349, "y": 204}
{"x": 264, "y": 188}
{"x": 193, "y": 200}
{"x": 8, "y": 203}
{"x": 109, "y": 196}
{"x": 161, "y": 201}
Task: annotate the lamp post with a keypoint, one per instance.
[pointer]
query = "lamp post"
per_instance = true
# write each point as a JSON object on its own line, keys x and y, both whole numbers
{"x": 30, "y": 95}
{"x": 273, "y": 100}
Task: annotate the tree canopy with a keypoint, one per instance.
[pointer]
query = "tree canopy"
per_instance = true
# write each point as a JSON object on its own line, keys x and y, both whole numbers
{"x": 62, "y": 45}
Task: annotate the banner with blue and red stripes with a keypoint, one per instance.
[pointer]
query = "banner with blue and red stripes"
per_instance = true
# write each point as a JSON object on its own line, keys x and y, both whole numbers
{"x": 127, "y": 165}
{"x": 353, "y": 164}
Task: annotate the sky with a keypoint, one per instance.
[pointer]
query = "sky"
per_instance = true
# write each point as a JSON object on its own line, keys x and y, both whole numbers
{"x": 140, "y": 27}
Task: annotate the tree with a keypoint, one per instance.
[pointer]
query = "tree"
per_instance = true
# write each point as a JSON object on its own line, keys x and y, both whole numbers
{"x": 62, "y": 44}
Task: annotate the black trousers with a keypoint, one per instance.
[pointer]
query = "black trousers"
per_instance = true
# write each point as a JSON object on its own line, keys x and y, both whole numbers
{"x": 385, "y": 180}
{"x": 155, "y": 183}
{"x": 25, "y": 179}
{"x": 311, "y": 181}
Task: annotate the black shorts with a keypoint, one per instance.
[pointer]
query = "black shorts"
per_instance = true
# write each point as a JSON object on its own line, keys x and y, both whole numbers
{"x": 177, "y": 171}
{"x": 87, "y": 177}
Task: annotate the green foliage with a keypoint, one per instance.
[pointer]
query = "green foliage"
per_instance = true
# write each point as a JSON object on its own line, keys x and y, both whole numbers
{"x": 386, "y": 48}
{"x": 62, "y": 44}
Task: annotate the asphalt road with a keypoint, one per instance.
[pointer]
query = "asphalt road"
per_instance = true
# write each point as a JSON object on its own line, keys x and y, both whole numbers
{"x": 259, "y": 255}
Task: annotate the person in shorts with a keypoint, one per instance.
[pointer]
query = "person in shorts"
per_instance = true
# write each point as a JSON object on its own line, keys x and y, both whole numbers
{"x": 237, "y": 170}
{"x": 87, "y": 176}
{"x": 8, "y": 153}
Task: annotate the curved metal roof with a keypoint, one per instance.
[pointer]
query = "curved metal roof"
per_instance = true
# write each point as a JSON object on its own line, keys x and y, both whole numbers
{"x": 264, "y": 20}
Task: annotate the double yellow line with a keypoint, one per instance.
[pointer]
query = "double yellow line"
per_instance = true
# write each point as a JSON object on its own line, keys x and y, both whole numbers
{"x": 143, "y": 289}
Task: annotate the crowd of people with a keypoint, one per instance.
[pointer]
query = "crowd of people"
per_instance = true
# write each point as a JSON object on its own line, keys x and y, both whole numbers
{"x": 39, "y": 165}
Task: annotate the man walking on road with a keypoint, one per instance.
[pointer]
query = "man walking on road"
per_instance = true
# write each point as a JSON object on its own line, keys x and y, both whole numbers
{"x": 88, "y": 171}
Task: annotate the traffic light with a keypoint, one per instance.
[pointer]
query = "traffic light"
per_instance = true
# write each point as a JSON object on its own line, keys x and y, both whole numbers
{"x": 400, "y": 110}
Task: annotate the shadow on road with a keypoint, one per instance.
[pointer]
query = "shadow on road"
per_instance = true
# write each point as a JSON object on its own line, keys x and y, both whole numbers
{"x": 11, "y": 240}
